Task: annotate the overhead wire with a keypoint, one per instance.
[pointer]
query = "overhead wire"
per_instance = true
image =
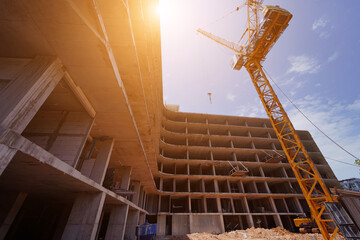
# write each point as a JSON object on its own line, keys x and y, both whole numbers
{"x": 307, "y": 118}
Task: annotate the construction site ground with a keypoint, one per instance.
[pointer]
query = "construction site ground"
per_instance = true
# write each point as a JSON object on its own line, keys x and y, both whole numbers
{"x": 252, "y": 234}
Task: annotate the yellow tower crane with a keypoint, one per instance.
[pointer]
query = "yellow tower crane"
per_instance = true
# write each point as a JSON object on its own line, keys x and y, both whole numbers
{"x": 260, "y": 37}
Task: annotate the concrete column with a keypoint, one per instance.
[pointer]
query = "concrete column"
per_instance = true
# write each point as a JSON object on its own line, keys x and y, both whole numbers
{"x": 23, "y": 98}
{"x": 102, "y": 161}
{"x": 84, "y": 217}
{"x": 232, "y": 205}
{"x": 250, "y": 220}
{"x": 216, "y": 185}
{"x": 125, "y": 177}
{"x": 191, "y": 223}
{"x": 161, "y": 225}
{"x": 286, "y": 206}
{"x": 205, "y": 204}
{"x": 189, "y": 203}
{"x": 257, "y": 158}
{"x": 12, "y": 214}
{"x": 218, "y": 203}
{"x": 222, "y": 225}
{"x": 298, "y": 205}
{"x": 262, "y": 172}
{"x": 132, "y": 220}
{"x": 141, "y": 195}
{"x": 141, "y": 218}
{"x": 161, "y": 184}
{"x": 117, "y": 222}
{"x": 135, "y": 198}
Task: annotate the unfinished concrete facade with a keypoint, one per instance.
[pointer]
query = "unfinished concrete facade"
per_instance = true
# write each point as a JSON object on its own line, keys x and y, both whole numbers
{"x": 87, "y": 150}
{"x": 80, "y": 93}
{"x": 198, "y": 153}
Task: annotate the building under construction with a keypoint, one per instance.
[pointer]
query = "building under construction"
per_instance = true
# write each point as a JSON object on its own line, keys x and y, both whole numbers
{"x": 88, "y": 151}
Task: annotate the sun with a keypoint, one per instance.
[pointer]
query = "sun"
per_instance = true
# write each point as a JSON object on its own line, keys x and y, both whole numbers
{"x": 164, "y": 8}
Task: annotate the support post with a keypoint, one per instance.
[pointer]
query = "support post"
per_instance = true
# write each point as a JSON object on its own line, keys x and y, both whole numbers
{"x": 135, "y": 198}
{"x": 132, "y": 220}
{"x": 102, "y": 161}
{"x": 84, "y": 217}
{"x": 117, "y": 222}
{"x": 125, "y": 177}
{"x": 12, "y": 214}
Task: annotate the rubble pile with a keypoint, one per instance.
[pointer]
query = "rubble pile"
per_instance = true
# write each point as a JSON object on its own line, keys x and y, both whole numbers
{"x": 253, "y": 234}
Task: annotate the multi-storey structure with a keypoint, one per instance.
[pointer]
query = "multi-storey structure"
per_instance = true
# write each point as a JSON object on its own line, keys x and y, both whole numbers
{"x": 87, "y": 150}
{"x": 198, "y": 155}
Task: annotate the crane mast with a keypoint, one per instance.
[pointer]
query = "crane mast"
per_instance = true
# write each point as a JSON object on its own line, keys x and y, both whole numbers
{"x": 260, "y": 39}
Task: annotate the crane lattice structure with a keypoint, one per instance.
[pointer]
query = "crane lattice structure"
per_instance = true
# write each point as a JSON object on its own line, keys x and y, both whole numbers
{"x": 260, "y": 38}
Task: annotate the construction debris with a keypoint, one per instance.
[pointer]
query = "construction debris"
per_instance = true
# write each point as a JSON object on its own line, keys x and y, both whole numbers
{"x": 253, "y": 234}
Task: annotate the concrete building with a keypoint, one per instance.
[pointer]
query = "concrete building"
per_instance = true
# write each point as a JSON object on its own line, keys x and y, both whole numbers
{"x": 198, "y": 184}
{"x": 88, "y": 151}
{"x": 352, "y": 184}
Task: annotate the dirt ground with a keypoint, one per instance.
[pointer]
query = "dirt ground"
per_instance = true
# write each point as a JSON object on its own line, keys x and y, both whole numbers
{"x": 253, "y": 234}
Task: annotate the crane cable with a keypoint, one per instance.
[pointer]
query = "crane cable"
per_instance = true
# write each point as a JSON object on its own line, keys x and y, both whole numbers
{"x": 351, "y": 164}
{"x": 307, "y": 118}
{"x": 224, "y": 16}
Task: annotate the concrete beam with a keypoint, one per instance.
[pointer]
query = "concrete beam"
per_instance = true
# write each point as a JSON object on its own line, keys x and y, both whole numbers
{"x": 28, "y": 91}
{"x": 117, "y": 222}
{"x": 84, "y": 217}
{"x": 23, "y": 98}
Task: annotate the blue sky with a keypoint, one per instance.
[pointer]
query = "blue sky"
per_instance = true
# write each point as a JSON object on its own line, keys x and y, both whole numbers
{"x": 315, "y": 62}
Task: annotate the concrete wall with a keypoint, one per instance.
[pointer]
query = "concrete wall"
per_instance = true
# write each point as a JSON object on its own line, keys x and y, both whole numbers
{"x": 180, "y": 224}
{"x": 206, "y": 223}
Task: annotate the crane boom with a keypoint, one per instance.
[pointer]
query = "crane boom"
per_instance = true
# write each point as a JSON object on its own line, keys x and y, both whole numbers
{"x": 261, "y": 37}
{"x": 230, "y": 45}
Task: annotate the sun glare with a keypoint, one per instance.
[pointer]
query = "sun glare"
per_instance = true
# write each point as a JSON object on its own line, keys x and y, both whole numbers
{"x": 164, "y": 8}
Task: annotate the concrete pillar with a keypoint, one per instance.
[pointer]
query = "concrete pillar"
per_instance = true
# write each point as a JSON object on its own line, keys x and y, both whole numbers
{"x": 298, "y": 205}
{"x": 125, "y": 177}
{"x": 218, "y": 203}
{"x": 135, "y": 198}
{"x": 161, "y": 225}
{"x": 250, "y": 220}
{"x": 205, "y": 204}
{"x": 277, "y": 218}
{"x": 102, "y": 161}
{"x": 141, "y": 218}
{"x": 141, "y": 195}
{"x": 12, "y": 214}
{"x": 216, "y": 186}
{"x": 117, "y": 222}
{"x": 84, "y": 216}
{"x": 23, "y": 98}
{"x": 222, "y": 225}
{"x": 191, "y": 223}
{"x": 232, "y": 205}
{"x": 132, "y": 220}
